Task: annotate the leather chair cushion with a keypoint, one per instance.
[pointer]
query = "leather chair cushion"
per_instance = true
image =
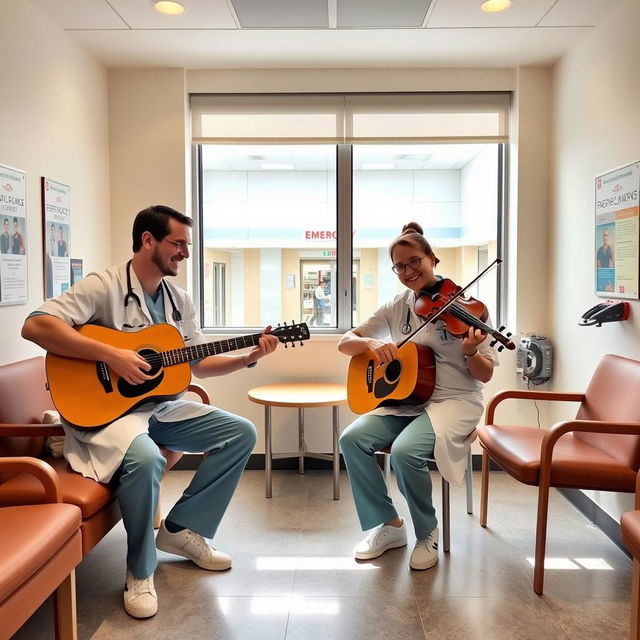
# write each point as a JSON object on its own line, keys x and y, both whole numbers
{"x": 29, "y": 537}
{"x": 630, "y": 526}
{"x": 576, "y": 463}
{"x": 87, "y": 494}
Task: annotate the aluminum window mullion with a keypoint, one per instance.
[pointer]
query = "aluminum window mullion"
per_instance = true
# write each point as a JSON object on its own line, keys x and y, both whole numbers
{"x": 344, "y": 226}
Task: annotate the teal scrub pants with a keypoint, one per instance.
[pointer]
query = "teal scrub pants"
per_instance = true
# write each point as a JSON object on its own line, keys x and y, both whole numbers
{"x": 412, "y": 442}
{"x": 228, "y": 440}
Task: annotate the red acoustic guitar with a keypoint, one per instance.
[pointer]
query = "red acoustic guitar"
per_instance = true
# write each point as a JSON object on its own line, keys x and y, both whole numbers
{"x": 89, "y": 394}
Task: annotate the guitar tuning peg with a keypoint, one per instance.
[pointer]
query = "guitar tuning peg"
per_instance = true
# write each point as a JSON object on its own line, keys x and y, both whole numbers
{"x": 509, "y": 334}
{"x": 500, "y": 348}
{"x": 501, "y": 329}
{"x": 293, "y": 344}
{"x": 493, "y": 343}
{"x": 286, "y": 345}
{"x": 293, "y": 322}
{"x": 301, "y": 343}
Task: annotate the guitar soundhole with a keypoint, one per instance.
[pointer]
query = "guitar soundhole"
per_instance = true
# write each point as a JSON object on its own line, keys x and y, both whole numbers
{"x": 393, "y": 370}
{"x": 134, "y": 390}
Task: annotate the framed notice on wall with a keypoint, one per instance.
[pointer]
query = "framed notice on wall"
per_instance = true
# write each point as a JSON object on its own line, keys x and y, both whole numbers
{"x": 13, "y": 236}
{"x": 56, "y": 219}
{"x": 617, "y": 232}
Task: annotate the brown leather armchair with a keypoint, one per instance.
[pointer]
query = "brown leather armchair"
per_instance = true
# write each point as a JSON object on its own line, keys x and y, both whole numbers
{"x": 41, "y": 546}
{"x": 24, "y": 397}
{"x": 599, "y": 450}
{"x": 630, "y": 528}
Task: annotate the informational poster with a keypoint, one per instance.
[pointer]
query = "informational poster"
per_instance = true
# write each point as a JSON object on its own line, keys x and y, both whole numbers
{"x": 617, "y": 232}
{"x": 56, "y": 215}
{"x": 13, "y": 236}
{"x": 76, "y": 270}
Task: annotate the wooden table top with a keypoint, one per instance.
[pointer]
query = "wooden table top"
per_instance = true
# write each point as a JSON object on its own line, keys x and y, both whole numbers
{"x": 299, "y": 394}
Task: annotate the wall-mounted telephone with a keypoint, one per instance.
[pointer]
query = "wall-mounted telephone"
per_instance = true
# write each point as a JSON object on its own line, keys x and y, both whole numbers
{"x": 534, "y": 359}
{"x": 608, "y": 311}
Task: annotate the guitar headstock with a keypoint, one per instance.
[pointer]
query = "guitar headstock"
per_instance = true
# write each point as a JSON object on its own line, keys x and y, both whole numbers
{"x": 291, "y": 333}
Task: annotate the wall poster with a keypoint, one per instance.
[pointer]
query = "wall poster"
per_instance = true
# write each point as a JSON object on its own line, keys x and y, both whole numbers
{"x": 617, "y": 232}
{"x": 13, "y": 236}
{"x": 56, "y": 216}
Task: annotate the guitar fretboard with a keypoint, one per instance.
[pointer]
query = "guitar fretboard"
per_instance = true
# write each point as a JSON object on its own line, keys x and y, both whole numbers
{"x": 198, "y": 351}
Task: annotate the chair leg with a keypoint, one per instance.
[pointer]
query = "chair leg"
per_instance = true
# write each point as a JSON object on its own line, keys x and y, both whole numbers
{"x": 635, "y": 601}
{"x": 541, "y": 536}
{"x": 446, "y": 517}
{"x": 157, "y": 520}
{"x": 469, "y": 482}
{"x": 66, "y": 622}
{"x": 484, "y": 490}
{"x": 387, "y": 470}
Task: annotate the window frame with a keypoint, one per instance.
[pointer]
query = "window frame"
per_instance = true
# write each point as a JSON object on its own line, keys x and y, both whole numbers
{"x": 344, "y": 245}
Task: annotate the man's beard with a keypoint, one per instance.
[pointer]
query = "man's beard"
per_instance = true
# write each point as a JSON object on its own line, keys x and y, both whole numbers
{"x": 162, "y": 267}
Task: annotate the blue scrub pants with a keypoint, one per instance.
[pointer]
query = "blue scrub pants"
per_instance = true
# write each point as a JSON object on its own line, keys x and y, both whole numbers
{"x": 228, "y": 439}
{"x": 412, "y": 442}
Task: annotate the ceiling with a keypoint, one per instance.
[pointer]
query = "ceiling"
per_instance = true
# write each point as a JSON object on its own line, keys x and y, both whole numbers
{"x": 327, "y": 33}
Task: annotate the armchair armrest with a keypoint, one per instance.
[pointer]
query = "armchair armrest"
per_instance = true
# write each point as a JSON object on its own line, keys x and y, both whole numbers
{"x": 30, "y": 430}
{"x": 588, "y": 426}
{"x": 43, "y": 471}
{"x": 199, "y": 390}
{"x": 527, "y": 394}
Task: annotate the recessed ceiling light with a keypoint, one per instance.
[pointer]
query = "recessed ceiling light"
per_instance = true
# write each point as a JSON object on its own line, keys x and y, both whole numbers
{"x": 277, "y": 166}
{"x": 493, "y": 6}
{"x": 169, "y": 7}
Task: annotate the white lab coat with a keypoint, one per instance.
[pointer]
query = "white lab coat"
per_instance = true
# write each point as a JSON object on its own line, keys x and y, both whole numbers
{"x": 99, "y": 299}
{"x": 456, "y": 405}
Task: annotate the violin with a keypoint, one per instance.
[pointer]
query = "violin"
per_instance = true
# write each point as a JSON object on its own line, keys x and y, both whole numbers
{"x": 445, "y": 302}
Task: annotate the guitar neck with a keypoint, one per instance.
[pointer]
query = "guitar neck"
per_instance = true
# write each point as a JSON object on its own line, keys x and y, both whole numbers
{"x": 198, "y": 351}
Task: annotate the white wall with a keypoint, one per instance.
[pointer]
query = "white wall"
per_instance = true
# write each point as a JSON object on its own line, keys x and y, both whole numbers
{"x": 319, "y": 359}
{"x": 597, "y": 128}
{"x": 53, "y": 123}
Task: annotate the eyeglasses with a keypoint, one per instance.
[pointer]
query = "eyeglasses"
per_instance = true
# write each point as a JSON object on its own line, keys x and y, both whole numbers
{"x": 414, "y": 264}
{"x": 180, "y": 245}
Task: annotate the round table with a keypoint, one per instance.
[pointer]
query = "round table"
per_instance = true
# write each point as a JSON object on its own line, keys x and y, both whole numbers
{"x": 301, "y": 395}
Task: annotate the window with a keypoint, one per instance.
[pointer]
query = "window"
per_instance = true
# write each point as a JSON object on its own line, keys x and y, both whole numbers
{"x": 300, "y": 232}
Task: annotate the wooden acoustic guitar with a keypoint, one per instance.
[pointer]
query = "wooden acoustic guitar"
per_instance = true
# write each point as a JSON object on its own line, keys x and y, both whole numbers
{"x": 409, "y": 379}
{"x": 89, "y": 394}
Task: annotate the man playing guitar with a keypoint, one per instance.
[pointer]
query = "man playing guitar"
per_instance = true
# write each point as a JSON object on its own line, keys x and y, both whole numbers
{"x": 130, "y": 297}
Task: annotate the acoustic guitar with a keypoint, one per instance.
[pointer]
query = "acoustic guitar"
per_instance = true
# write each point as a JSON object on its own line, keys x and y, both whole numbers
{"x": 409, "y": 379}
{"x": 89, "y": 394}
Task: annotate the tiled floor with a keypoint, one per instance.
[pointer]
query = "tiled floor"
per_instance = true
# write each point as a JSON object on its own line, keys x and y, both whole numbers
{"x": 293, "y": 576}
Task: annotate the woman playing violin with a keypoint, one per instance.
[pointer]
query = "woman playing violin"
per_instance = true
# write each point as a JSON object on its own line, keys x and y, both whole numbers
{"x": 436, "y": 429}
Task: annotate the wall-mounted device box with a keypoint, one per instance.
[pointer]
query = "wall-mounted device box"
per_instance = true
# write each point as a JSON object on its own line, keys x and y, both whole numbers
{"x": 534, "y": 359}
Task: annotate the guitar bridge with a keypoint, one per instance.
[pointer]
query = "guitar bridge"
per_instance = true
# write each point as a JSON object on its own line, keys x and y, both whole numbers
{"x": 104, "y": 378}
{"x": 370, "y": 376}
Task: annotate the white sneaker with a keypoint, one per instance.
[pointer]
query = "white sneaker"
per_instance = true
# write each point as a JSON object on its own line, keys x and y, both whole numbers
{"x": 379, "y": 540}
{"x": 140, "y": 599}
{"x": 193, "y": 546}
{"x": 425, "y": 553}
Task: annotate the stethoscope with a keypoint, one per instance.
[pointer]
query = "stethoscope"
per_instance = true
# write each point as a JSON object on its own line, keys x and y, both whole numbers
{"x": 131, "y": 295}
{"x": 406, "y": 327}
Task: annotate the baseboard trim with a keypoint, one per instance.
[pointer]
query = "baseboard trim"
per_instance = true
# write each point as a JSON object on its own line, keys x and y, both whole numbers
{"x": 596, "y": 514}
{"x": 191, "y": 461}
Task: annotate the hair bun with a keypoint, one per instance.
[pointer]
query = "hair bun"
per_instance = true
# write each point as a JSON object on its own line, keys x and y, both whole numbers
{"x": 412, "y": 227}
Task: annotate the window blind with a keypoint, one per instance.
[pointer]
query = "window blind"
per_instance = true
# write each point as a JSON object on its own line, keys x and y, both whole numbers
{"x": 351, "y": 118}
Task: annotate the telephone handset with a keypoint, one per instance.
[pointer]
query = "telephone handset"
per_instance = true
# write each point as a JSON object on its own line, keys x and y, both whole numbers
{"x": 598, "y": 307}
